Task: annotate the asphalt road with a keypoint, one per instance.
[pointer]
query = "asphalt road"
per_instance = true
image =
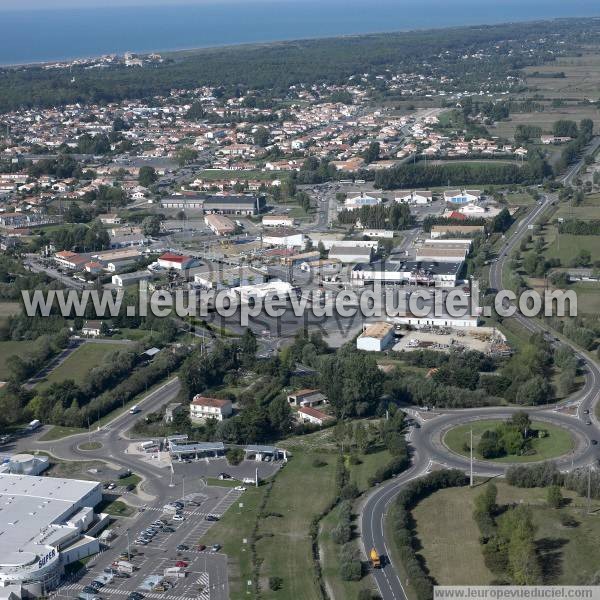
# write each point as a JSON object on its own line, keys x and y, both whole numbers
{"x": 426, "y": 445}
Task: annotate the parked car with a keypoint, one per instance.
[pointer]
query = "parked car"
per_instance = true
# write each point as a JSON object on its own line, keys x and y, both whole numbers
{"x": 182, "y": 547}
{"x": 181, "y": 563}
{"x": 215, "y": 547}
{"x": 594, "y": 442}
{"x": 201, "y": 547}
{"x": 211, "y": 518}
{"x": 240, "y": 488}
{"x": 178, "y": 518}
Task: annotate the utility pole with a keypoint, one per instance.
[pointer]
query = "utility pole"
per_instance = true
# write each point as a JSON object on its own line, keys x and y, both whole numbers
{"x": 471, "y": 448}
{"x": 589, "y": 490}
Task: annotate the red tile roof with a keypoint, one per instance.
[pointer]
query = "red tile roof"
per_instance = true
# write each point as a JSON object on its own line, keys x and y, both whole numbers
{"x": 313, "y": 412}
{"x": 213, "y": 402}
{"x": 176, "y": 258}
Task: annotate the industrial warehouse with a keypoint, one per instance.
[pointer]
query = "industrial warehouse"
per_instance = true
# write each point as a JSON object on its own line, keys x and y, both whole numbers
{"x": 45, "y": 524}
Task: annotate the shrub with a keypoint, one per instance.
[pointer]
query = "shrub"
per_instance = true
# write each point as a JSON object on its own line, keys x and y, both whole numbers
{"x": 275, "y": 583}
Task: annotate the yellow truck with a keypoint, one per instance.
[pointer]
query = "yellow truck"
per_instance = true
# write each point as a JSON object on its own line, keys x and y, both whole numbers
{"x": 375, "y": 559}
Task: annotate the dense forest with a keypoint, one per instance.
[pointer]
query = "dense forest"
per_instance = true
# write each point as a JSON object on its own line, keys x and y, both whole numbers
{"x": 273, "y": 68}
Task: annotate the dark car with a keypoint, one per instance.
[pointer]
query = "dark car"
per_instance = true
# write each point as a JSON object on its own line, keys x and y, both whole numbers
{"x": 211, "y": 518}
{"x": 88, "y": 589}
{"x": 182, "y": 547}
{"x": 594, "y": 442}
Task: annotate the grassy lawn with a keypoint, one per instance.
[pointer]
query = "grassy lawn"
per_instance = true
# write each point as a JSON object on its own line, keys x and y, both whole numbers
{"x": 58, "y": 432}
{"x": 235, "y": 526}
{"x": 300, "y": 492}
{"x": 115, "y": 508}
{"x": 449, "y": 538}
{"x": 130, "y": 479}
{"x": 80, "y": 363}
{"x": 558, "y": 442}
{"x": 8, "y": 349}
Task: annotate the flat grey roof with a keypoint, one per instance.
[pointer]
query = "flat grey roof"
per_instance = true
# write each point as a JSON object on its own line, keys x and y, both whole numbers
{"x": 258, "y": 448}
{"x": 197, "y": 447}
{"x": 29, "y": 506}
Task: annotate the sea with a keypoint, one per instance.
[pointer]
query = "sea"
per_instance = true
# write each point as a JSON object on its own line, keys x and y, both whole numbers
{"x": 44, "y": 35}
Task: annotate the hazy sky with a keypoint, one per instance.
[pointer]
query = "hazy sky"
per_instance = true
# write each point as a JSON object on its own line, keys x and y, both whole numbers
{"x": 49, "y": 4}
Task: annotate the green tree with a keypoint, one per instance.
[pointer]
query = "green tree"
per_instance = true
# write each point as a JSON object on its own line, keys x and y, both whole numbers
{"x": 147, "y": 176}
{"x": 554, "y": 497}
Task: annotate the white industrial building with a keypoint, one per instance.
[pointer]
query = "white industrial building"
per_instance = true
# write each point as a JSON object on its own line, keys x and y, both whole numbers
{"x": 277, "y": 221}
{"x": 290, "y": 238}
{"x": 221, "y": 279}
{"x": 351, "y": 254}
{"x": 462, "y": 196}
{"x": 25, "y": 464}
{"x": 273, "y": 289}
{"x": 360, "y": 201}
{"x": 375, "y": 337}
{"x": 442, "y": 253}
{"x": 437, "y": 321}
{"x": 46, "y": 523}
{"x": 397, "y": 270}
{"x": 414, "y": 197}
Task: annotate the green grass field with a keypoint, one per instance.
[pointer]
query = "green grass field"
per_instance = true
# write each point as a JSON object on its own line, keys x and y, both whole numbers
{"x": 558, "y": 442}
{"x": 58, "y": 432}
{"x": 299, "y": 492}
{"x": 449, "y": 538}
{"x": 215, "y": 174}
{"x": 80, "y": 363}
{"x": 8, "y": 349}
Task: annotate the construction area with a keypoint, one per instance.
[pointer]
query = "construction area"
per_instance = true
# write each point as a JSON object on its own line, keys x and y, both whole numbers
{"x": 487, "y": 340}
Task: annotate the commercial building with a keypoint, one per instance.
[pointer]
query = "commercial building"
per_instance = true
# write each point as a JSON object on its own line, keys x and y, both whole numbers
{"x": 46, "y": 523}
{"x": 115, "y": 260}
{"x": 438, "y": 231}
{"x": 414, "y": 197}
{"x": 25, "y": 464}
{"x": 360, "y": 201}
{"x": 397, "y": 270}
{"x": 351, "y": 254}
{"x": 273, "y": 289}
{"x": 375, "y": 337}
{"x": 179, "y": 262}
{"x": 203, "y": 408}
{"x": 70, "y": 260}
{"x": 277, "y": 221}
{"x": 289, "y": 238}
{"x": 225, "y": 205}
{"x": 228, "y": 278}
{"x": 442, "y": 253}
{"x": 436, "y": 321}
{"x": 219, "y": 224}
{"x": 462, "y": 196}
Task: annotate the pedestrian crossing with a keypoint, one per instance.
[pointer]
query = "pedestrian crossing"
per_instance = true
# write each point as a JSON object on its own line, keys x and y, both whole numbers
{"x": 203, "y": 583}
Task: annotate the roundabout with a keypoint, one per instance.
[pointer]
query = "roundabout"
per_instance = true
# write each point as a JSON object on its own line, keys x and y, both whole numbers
{"x": 544, "y": 441}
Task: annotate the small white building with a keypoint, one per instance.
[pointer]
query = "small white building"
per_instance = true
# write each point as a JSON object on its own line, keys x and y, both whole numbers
{"x": 203, "y": 408}
{"x": 277, "y": 221}
{"x": 415, "y": 197}
{"x": 92, "y": 328}
{"x": 179, "y": 262}
{"x": 375, "y": 337}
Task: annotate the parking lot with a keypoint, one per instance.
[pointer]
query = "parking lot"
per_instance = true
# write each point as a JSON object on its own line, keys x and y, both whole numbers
{"x": 159, "y": 540}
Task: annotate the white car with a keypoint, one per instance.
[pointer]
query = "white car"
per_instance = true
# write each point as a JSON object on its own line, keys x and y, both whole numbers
{"x": 239, "y": 488}
{"x": 178, "y": 518}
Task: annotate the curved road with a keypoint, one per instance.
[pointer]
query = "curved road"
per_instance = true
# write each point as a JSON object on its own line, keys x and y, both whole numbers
{"x": 426, "y": 442}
